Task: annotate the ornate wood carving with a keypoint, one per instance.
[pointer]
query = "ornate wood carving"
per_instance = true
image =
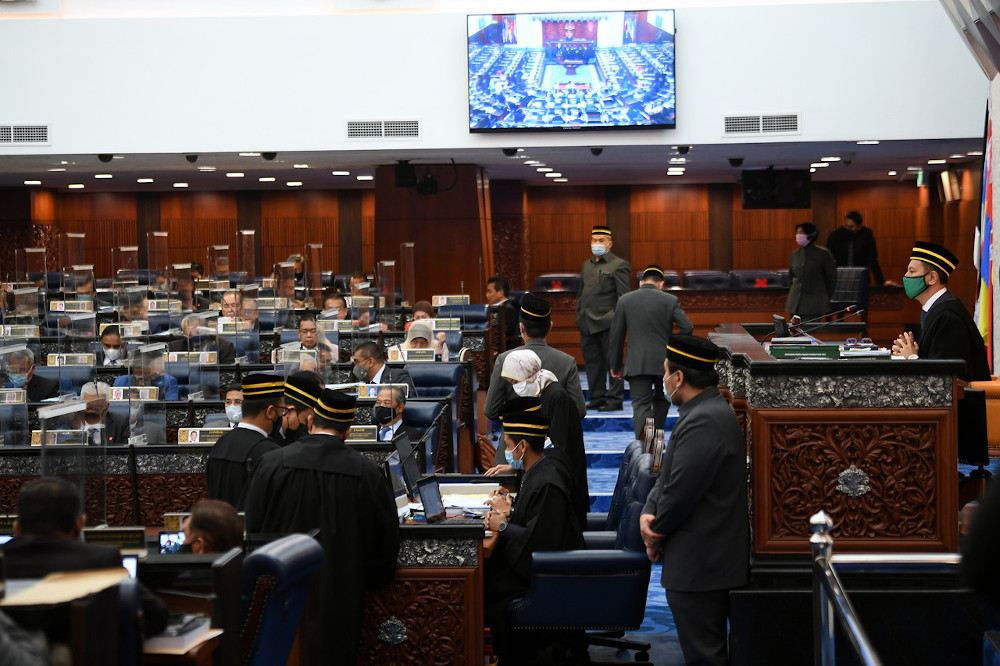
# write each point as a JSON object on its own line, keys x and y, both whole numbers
{"x": 736, "y": 300}
{"x": 908, "y": 456}
{"x": 441, "y": 611}
{"x": 168, "y": 493}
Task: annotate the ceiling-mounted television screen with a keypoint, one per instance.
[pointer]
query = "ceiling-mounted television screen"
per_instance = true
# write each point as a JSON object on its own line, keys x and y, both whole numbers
{"x": 572, "y": 71}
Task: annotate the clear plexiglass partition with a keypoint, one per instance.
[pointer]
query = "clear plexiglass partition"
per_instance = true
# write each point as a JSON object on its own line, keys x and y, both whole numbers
{"x": 75, "y": 451}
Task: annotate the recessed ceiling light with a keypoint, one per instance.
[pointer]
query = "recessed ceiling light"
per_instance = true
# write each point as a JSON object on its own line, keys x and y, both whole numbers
{"x": 366, "y": 177}
{"x": 301, "y": 166}
{"x": 974, "y": 153}
{"x": 812, "y": 170}
{"x": 675, "y": 173}
{"x": 144, "y": 180}
{"x": 677, "y": 169}
{"x": 531, "y": 163}
{"x": 63, "y": 162}
{"x": 537, "y": 164}
{"x": 206, "y": 168}
{"x": 937, "y": 161}
{"x": 892, "y": 173}
{"x": 57, "y": 169}
{"x": 543, "y": 169}
{"x": 266, "y": 179}
{"x": 32, "y": 182}
{"x": 830, "y": 159}
{"x": 560, "y": 180}
{"x": 180, "y": 184}
{"x": 249, "y": 154}
{"x": 103, "y": 176}
{"x": 678, "y": 160}
{"x": 294, "y": 183}
{"x": 957, "y": 156}
{"x": 117, "y": 157}
{"x": 819, "y": 165}
{"x": 554, "y": 174}
{"x": 76, "y": 186}
{"x": 234, "y": 174}
{"x": 914, "y": 168}
{"x": 868, "y": 142}
{"x": 341, "y": 173}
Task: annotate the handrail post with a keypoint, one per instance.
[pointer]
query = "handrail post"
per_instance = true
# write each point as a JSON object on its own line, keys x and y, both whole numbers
{"x": 821, "y": 543}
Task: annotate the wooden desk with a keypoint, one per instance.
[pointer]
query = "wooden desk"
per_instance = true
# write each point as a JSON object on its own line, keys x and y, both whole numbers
{"x": 202, "y": 654}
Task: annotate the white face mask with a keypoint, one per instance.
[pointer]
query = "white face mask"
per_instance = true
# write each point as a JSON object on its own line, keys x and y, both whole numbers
{"x": 527, "y": 389}
{"x": 234, "y": 413}
{"x": 112, "y": 354}
{"x": 670, "y": 396}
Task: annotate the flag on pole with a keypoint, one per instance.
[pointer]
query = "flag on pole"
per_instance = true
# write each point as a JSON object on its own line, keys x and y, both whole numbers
{"x": 982, "y": 255}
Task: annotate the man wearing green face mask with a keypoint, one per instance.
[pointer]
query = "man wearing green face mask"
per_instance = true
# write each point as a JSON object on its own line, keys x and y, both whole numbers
{"x": 946, "y": 327}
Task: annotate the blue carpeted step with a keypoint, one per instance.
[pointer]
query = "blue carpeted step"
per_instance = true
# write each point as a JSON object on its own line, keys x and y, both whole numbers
{"x": 602, "y": 479}
{"x": 600, "y": 503}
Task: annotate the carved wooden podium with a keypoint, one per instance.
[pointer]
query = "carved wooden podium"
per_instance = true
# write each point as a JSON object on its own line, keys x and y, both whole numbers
{"x": 869, "y": 441}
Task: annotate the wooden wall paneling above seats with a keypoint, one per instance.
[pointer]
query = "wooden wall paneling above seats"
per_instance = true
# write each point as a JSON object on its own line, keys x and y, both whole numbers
{"x": 290, "y": 220}
{"x": 558, "y": 224}
{"x": 108, "y": 219}
{"x": 670, "y": 227}
{"x": 451, "y": 229}
{"x": 195, "y": 221}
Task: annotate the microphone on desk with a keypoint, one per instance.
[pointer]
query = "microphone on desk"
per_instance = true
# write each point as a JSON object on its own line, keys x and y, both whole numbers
{"x": 795, "y": 327}
{"x": 836, "y": 321}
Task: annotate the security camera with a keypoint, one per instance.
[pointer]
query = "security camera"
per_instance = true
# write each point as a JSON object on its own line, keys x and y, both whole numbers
{"x": 105, "y": 157}
{"x": 191, "y": 158}
{"x": 683, "y": 150}
{"x": 269, "y": 156}
{"x": 596, "y": 151}
{"x": 847, "y": 158}
{"x": 510, "y": 152}
{"x": 735, "y": 161}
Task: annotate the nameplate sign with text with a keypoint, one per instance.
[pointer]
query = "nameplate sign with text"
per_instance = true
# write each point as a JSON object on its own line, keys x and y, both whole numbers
{"x": 70, "y": 359}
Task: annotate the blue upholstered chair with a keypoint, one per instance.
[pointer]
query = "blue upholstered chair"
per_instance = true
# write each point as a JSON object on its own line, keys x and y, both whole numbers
{"x": 702, "y": 279}
{"x": 277, "y": 579}
{"x": 565, "y": 587}
{"x": 474, "y": 316}
{"x": 440, "y": 380}
{"x": 609, "y": 521}
{"x": 71, "y": 378}
{"x": 851, "y": 288}
{"x": 422, "y": 415}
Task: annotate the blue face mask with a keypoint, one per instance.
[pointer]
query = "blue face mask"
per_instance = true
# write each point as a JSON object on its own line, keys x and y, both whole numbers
{"x": 17, "y": 380}
{"x": 598, "y": 249}
{"x": 515, "y": 463}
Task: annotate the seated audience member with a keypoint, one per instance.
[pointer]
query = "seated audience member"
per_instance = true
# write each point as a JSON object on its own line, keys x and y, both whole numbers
{"x": 369, "y": 367}
{"x": 320, "y": 482}
{"x": 213, "y": 527}
{"x": 47, "y": 532}
{"x": 497, "y": 290}
{"x": 137, "y": 309}
{"x": 160, "y": 281}
{"x": 105, "y": 427}
{"x": 302, "y": 390}
{"x": 300, "y": 268}
{"x": 111, "y": 347}
{"x": 420, "y": 336}
{"x": 421, "y": 310}
{"x": 542, "y": 519}
{"x": 189, "y": 298}
{"x": 356, "y": 279}
{"x": 197, "y": 270}
{"x": 229, "y": 304}
{"x": 85, "y": 290}
{"x": 249, "y": 313}
{"x": 20, "y": 373}
{"x": 335, "y": 301}
{"x": 198, "y": 337}
{"x": 221, "y": 268}
{"x": 234, "y": 410}
{"x": 149, "y": 372}
{"x": 286, "y": 290}
{"x": 233, "y": 457}
{"x": 387, "y": 414}
{"x": 310, "y": 338}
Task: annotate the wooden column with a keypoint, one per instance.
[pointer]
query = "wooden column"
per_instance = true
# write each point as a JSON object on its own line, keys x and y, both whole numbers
{"x": 720, "y": 226}
{"x": 452, "y": 229}
{"x": 510, "y": 248}
{"x": 15, "y": 226}
{"x": 248, "y": 217}
{"x": 147, "y": 218}
{"x": 349, "y": 213}
{"x": 824, "y": 209}
{"x": 618, "y": 209}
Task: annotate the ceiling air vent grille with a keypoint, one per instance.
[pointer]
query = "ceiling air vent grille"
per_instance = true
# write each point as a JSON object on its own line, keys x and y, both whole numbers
{"x": 5, "y": 134}
{"x": 30, "y": 134}
{"x": 770, "y": 123}
{"x": 383, "y": 129}
{"x": 742, "y": 124}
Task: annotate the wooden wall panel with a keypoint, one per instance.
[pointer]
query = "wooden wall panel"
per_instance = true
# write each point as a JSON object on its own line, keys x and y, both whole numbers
{"x": 558, "y": 222}
{"x": 368, "y": 228}
{"x": 763, "y": 239}
{"x": 670, "y": 227}
{"x": 108, "y": 220}
{"x": 283, "y": 236}
{"x": 190, "y": 238}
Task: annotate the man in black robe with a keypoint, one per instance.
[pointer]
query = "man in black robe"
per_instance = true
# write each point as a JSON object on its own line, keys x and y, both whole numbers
{"x": 319, "y": 482}
{"x": 946, "y": 327}
{"x": 233, "y": 457}
{"x": 542, "y": 519}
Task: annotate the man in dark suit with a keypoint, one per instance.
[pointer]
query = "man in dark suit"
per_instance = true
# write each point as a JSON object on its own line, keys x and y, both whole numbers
{"x": 233, "y": 458}
{"x": 946, "y": 327}
{"x": 647, "y": 316}
{"x": 387, "y": 414}
{"x": 370, "y": 367}
{"x": 106, "y": 428}
{"x": 535, "y": 323}
{"x": 199, "y": 337}
{"x": 604, "y": 279}
{"x": 813, "y": 273}
{"x": 498, "y": 297}
{"x": 20, "y": 371}
{"x": 853, "y": 244}
{"x": 47, "y": 532}
{"x": 695, "y": 517}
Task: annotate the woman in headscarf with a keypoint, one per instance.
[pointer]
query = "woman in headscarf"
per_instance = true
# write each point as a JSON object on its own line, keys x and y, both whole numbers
{"x": 523, "y": 370}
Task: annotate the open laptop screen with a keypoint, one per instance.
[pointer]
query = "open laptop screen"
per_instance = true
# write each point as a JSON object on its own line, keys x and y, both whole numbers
{"x": 430, "y": 497}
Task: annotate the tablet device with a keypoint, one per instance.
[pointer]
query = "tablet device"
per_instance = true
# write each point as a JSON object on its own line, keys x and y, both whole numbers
{"x": 171, "y": 542}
